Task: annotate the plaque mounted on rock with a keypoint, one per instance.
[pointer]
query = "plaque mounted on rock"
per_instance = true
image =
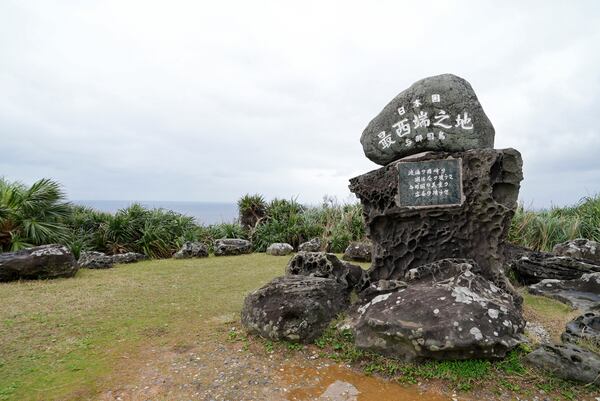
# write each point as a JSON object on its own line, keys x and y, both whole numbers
{"x": 433, "y": 183}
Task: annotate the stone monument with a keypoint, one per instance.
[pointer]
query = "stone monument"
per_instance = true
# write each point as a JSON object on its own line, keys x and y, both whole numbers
{"x": 443, "y": 192}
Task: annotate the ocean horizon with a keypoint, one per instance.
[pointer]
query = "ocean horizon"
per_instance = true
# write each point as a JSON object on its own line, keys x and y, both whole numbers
{"x": 205, "y": 213}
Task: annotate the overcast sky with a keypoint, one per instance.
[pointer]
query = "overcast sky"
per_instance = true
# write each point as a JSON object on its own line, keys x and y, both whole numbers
{"x": 205, "y": 101}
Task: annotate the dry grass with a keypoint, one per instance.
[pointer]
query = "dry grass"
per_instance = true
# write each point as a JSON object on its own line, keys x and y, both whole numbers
{"x": 552, "y": 314}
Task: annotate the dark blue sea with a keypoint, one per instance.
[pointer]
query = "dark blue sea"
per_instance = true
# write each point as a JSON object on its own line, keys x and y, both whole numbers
{"x": 203, "y": 212}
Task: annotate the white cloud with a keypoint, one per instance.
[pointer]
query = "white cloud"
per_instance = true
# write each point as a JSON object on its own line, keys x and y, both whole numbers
{"x": 187, "y": 100}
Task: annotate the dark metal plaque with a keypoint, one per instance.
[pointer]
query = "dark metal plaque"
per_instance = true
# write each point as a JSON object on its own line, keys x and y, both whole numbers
{"x": 431, "y": 183}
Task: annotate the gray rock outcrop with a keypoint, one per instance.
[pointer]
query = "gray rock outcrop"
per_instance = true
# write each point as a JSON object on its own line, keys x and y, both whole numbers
{"x": 40, "y": 262}
{"x": 322, "y": 264}
{"x": 579, "y": 248}
{"x": 439, "y": 113}
{"x": 95, "y": 260}
{"x": 279, "y": 249}
{"x": 358, "y": 252}
{"x": 581, "y": 293}
{"x": 407, "y": 237}
{"x": 191, "y": 250}
{"x": 567, "y": 361}
{"x": 538, "y": 266}
{"x": 232, "y": 246}
{"x": 314, "y": 245}
{"x": 128, "y": 257}
{"x": 452, "y": 314}
{"x": 294, "y": 308}
{"x": 584, "y": 327}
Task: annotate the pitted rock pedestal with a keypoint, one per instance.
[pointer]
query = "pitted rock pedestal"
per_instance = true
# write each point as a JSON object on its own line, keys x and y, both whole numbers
{"x": 405, "y": 237}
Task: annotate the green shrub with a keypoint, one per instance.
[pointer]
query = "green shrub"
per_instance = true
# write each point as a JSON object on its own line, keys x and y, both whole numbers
{"x": 31, "y": 215}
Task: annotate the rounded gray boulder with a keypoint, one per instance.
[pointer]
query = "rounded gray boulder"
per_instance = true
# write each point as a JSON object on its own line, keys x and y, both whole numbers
{"x": 294, "y": 308}
{"x": 279, "y": 249}
{"x": 439, "y": 113}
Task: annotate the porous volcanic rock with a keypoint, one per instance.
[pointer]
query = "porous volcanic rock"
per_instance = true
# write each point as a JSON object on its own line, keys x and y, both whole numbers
{"x": 128, "y": 257}
{"x": 294, "y": 308}
{"x": 416, "y": 113}
{"x": 583, "y": 327}
{"x": 232, "y": 246}
{"x": 314, "y": 245}
{"x": 581, "y": 293}
{"x": 322, "y": 264}
{"x": 579, "y": 248}
{"x": 405, "y": 237}
{"x": 279, "y": 249}
{"x": 358, "y": 252}
{"x": 455, "y": 314}
{"x": 568, "y": 361}
{"x": 95, "y": 260}
{"x": 40, "y": 262}
{"x": 191, "y": 250}
{"x": 538, "y": 266}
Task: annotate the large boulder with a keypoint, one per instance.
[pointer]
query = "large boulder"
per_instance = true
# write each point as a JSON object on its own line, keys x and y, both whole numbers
{"x": 582, "y": 293}
{"x": 358, "y": 252}
{"x": 446, "y": 312}
{"x": 40, "y": 262}
{"x": 474, "y": 227}
{"x": 294, "y": 308}
{"x": 322, "y": 264}
{"x": 191, "y": 250}
{"x": 128, "y": 257}
{"x": 567, "y": 361}
{"x": 579, "y": 248}
{"x": 232, "y": 246}
{"x": 538, "y": 266}
{"x": 584, "y": 327}
{"x": 95, "y": 260}
{"x": 314, "y": 245}
{"x": 279, "y": 249}
{"x": 440, "y": 113}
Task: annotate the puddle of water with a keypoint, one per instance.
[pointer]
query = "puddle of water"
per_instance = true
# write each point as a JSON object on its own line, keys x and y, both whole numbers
{"x": 336, "y": 383}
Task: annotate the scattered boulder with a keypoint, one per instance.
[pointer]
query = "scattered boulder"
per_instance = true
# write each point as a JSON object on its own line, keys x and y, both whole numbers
{"x": 579, "y": 248}
{"x": 40, "y": 262}
{"x": 584, "y": 327}
{"x": 322, "y": 264}
{"x": 279, "y": 249}
{"x": 314, "y": 245}
{"x": 582, "y": 293}
{"x": 567, "y": 361}
{"x": 95, "y": 260}
{"x": 128, "y": 257}
{"x": 381, "y": 287}
{"x": 358, "y": 252}
{"x": 439, "y": 113}
{"x": 294, "y": 308}
{"x": 456, "y": 314}
{"x": 232, "y": 246}
{"x": 192, "y": 250}
{"x": 538, "y": 266}
{"x": 405, "y": 237}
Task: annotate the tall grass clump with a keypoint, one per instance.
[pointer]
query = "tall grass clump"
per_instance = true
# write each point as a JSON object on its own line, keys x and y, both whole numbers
{"x": 290, "y": 222}
{"x": 542, "y": 230}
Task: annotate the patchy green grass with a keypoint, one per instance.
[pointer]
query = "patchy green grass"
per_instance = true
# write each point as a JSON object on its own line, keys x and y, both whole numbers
{"x": 63, "y": 336}
{"x": 65, "y": 339}
{"x": 552, "y": 314}
{"x": 507, "y": 375}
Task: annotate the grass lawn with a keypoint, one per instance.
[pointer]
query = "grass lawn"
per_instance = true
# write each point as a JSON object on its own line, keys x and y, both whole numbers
{"x": 71, "y": 338}
{"x": 61, "y": 337}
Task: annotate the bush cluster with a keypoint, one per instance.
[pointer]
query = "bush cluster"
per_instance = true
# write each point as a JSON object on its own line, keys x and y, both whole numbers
{"x": 39, "y": 215}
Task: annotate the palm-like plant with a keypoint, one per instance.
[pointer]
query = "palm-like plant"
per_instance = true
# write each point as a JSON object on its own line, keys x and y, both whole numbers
{"x": 31, "y": 216}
